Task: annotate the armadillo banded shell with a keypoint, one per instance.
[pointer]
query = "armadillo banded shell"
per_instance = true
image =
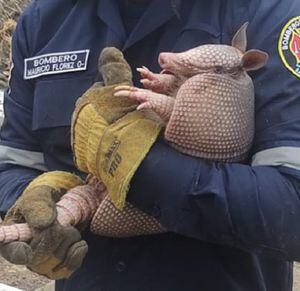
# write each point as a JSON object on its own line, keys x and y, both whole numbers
{"x": 127, "y": 222}
{"x": 15, "y": 232}
{"x": 213, "y": 117}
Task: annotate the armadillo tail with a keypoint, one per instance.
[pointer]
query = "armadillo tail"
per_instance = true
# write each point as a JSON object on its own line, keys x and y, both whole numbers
{"x": 76, "y": 206}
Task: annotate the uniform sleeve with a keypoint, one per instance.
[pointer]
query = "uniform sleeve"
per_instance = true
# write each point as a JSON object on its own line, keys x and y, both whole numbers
{"x": 21, "y": 158}
{"x": 254, "y": 207}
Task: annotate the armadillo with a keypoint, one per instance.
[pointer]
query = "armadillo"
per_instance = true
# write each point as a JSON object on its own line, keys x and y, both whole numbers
{"x": 206, "y": 98}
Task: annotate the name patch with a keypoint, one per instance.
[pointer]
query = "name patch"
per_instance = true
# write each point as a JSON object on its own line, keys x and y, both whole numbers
{"x": 55, "y": 63}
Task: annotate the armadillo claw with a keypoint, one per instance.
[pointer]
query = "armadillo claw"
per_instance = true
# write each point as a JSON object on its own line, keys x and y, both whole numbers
{"x": 140, "y": 95}
{"x": 160, "y": 103}
{"x": 145, "y": 105}
{"x": 125, "y": 91}
{"x": 146, "y": 73}
{"x": 151, "y": 80}
{"x": 124, "y": 87}
{"x": 154, "y": 85}
{"x": 146, "y": 83}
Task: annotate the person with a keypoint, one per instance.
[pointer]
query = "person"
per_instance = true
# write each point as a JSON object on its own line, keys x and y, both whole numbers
{"x": 231, "y": 226}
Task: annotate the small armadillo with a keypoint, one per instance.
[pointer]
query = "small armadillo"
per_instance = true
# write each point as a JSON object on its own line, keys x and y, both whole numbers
{"x": 206, "y": 98}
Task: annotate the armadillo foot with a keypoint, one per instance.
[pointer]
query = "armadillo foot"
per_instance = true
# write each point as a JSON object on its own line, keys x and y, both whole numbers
{"x": 160, "y": 103}
{"x": 159, "y": 83}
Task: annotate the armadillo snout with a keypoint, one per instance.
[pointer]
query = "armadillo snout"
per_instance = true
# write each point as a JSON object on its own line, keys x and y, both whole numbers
{"x": 165, "y": 59}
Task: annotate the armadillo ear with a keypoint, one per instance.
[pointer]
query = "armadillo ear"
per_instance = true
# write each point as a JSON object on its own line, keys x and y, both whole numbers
{"x": 254, "y": 60}
{"x": 239, "y": 40}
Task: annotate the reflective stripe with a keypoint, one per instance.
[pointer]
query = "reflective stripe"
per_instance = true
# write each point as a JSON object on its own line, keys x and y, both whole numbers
{"x": 34, "y": 160}
{"x": 280, "y": 156}
{"x": 1, "y": 107}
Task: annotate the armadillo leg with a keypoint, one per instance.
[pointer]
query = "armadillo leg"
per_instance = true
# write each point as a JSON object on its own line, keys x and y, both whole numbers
{"x": 160, "y": 103}
{"x": 159, "y": 83}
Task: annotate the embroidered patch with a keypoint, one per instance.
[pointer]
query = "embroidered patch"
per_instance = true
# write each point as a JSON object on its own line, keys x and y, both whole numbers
{"x": 289, "y": 46}
{"x": 55, "y": 63}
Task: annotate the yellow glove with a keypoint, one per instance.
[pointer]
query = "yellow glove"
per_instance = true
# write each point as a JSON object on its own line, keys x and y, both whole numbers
{"x": 55, "y": 251}
{"x": 109, "y": 137}
{"x": 110, "y": 140}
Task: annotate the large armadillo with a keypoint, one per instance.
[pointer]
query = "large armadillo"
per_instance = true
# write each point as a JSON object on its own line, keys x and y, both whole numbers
{"x": 206, "y": 98}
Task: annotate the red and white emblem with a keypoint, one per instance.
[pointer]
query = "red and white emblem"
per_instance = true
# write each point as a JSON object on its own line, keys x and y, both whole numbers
{"x": 289, "y": 46}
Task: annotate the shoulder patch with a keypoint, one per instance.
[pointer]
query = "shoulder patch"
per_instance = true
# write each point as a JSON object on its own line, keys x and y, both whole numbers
{"x": 55, "y": 63}
{"x": 289, "y": 46}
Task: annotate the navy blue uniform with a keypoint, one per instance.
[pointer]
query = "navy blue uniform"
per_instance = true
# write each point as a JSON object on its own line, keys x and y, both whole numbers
{"x": 232, "y": 226}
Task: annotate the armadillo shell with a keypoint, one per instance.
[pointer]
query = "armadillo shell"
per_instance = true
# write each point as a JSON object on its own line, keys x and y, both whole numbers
{"x": 120, "y": 223}
{"x": 213, "y": 117}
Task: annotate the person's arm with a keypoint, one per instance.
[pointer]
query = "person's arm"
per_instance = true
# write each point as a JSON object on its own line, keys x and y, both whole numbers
{"x": 21, "y": 157}
{"x": 254, "y": 207}
{"x": 13, "y": 181}
{"x": 55, "y": 251}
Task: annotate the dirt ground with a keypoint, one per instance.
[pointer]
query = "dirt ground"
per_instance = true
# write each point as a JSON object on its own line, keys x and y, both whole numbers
{"x": 21, "y": 278}
{"x": 297, "y": 277}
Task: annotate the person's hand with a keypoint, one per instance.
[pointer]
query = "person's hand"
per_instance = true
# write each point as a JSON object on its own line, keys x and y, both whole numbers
{"x": 55, "y": 251}
{"x": 109, "y": 137}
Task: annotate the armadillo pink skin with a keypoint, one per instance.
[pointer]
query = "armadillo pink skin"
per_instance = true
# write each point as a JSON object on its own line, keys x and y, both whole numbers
{"x": 161, "y": 104}
{"x": 76, "y": 206}
{"x": 15, "y": 232}
{"x": 160, "y": 83}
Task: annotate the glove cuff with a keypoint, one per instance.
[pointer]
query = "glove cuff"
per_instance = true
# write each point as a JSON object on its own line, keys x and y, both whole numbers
{"x": 94, "y": 112}
{"x": 124, "y": 145}
{"x": 87, "y": 131}
{"x": 57, "y": 180}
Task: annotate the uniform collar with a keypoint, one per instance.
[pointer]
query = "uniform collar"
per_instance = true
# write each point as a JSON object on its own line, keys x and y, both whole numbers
{"x": 108, "y": 12}
{"x": 157, "y": 14}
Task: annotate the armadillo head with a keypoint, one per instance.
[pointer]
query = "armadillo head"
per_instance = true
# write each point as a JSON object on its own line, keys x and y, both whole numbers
{"x": 214, "y": 58}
